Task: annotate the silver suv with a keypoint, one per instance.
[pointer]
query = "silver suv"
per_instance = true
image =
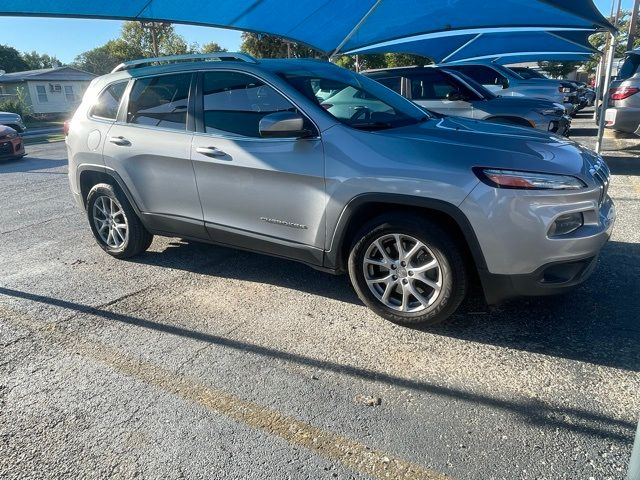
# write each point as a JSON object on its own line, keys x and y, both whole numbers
{"x": 240, "y": 152}
{"x": 623, "y": 112}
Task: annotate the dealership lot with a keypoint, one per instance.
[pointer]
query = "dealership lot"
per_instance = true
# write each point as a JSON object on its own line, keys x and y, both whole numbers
{"x": 195, "y": 361}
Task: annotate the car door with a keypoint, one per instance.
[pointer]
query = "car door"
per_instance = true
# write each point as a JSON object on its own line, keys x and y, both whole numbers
{"x": 437, "y": 91}
{"x": 486, "y": 76}
{"x": 257, "y": 193}
{"x": 150, "y": 148}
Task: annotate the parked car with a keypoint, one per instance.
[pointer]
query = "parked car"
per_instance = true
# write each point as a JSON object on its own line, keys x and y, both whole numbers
{"x": 241, "y": 152}
{"x": 11, "y": 144}
{"x": 452, "y": 93}
{"x": 12, "y": 120}
{"x": 505, "y": 82}
{"x": 623, "y": 112}
{"x": 577, "y": 96}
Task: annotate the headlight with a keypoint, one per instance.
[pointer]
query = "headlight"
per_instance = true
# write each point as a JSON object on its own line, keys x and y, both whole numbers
{"x": 548, "y": 111}
{"x": 564, "y": 89}
{"x": 499, "y": 178}
{"x": 11, "y": 135}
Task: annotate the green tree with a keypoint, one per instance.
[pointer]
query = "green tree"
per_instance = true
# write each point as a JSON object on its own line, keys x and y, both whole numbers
{"x": 212, "y": 47}
{"x": 36, "y": 60}
{"x": 559, "y": 69}
{"x": 10, "y": 60}
{"x": 101, "y": 60}
{"x": 405, "y": 60}
{"x": 154, "y": 39}
{"x": 270, "y": 46}
{"x": 18, "y": 104}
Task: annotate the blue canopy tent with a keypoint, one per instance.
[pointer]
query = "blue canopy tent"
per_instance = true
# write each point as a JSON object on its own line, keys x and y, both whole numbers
{"x": 334, "y": 26}
{"x": 482, "y": 44}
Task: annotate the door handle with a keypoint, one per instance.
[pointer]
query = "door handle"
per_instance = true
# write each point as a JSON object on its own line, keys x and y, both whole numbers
{"x": 210, "y": 151}
{"x": 120, "y": 141}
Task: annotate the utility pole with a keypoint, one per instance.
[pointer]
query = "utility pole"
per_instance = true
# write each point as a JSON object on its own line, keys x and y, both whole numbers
{"x": 632, "y": 25}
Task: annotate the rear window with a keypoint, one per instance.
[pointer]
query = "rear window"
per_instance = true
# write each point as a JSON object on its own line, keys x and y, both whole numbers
{"x": 109, "y": 101}
{"x": 629, "y": 67}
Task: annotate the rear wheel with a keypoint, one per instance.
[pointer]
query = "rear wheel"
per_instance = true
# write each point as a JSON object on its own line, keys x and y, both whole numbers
{"x": 408, "y": 270}
{"x": 114, "y": 224}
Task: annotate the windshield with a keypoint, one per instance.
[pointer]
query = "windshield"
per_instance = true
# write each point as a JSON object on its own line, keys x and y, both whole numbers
{"x": 354, "y": 99}
{"x": 629, "y": 67}
{"x": 481, "y": 89}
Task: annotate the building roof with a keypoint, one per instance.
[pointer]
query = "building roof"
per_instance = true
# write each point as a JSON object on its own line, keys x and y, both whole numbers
{"x": 48, "y": 75}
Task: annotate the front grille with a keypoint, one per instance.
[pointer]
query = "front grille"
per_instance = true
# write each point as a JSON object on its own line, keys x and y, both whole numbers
{"x": 601, "y": 174}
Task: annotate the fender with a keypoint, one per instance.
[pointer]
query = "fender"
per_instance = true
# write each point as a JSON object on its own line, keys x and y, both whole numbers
{"x": 333, "y": 257}
{"x": 114, "y": 175}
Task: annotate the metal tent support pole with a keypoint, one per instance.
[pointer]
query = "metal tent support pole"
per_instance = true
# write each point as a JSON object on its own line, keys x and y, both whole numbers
{"x": 607, "y": 81}
{"x": 634, "y": 464}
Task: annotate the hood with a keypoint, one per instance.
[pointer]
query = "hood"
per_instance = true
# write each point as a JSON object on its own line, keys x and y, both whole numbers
{"x": 11, "y": 115}
{"x": 4, "y": 131}
{"x": 488, "y": 144}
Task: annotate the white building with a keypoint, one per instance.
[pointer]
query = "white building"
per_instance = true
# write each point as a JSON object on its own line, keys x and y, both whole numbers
{"x": 49, "y": 90}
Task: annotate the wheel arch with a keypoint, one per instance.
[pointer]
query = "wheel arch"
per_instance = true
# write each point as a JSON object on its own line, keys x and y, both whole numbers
{"x": 364, "y": 208}
{"x": 90, "y": 175}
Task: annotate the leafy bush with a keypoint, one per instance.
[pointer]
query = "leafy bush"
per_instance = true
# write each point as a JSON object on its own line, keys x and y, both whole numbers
{"x": 18, "y": 104}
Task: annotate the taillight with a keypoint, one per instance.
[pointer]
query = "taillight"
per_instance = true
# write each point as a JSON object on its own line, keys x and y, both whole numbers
{"x": 65, "y": 128}
{"x": 620, "y": 93}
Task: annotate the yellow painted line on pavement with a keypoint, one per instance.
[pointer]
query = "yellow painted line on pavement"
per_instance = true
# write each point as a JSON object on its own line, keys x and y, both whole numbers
{"x": 330, "y": 445}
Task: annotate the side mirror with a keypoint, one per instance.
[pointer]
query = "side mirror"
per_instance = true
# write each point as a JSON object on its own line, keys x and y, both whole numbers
{"x": 282, "y": 125}
{"x": 455, "y": 96}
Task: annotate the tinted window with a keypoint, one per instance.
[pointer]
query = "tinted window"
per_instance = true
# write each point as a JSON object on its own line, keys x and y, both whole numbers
{"x": 394, "y": 83}
{"x": 235, "y": 103}
{"x": 435, "y": 85}
{"x": 480, "y": 73}
{"x": 109, "y": 101}
{"x": 160, "y": 101}
{"x": 629, "y": 67}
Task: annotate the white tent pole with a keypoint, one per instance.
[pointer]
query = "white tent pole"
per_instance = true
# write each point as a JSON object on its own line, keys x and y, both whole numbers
{"x": 356, "y": 28}
{"x": 607, "y": 81}
{"x": 634, "y": 463}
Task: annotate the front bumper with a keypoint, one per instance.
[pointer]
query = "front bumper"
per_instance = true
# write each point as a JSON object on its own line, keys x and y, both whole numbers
{"x": 521, "y": 258}
{"x": 560, "y": 125}
{"x": 11, "y": 148}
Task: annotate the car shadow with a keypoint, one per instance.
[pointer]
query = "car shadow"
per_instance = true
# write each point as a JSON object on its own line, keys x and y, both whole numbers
{"x": 595, "y": 323}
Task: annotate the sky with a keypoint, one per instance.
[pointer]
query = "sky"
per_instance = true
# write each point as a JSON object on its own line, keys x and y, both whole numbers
{"x": 67, "y": 38}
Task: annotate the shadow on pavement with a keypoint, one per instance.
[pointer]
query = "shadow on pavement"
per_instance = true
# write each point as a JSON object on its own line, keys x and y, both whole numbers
{"x": 576, "y": 420}
{"x": 623, "y": 165}
{"x": 30, "y": 163}
{"x": 595, "y": 323}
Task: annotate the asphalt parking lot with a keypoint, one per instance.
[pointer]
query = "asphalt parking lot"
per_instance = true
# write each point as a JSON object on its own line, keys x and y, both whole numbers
{"x": 195, "y": 361}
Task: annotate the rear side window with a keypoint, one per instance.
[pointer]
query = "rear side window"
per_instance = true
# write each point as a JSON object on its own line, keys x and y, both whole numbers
{"x": 629, "y": 67}
{"x": 160, "y": 101}
{"x": 235, "y": 103}
{"x": 109, "y": 101}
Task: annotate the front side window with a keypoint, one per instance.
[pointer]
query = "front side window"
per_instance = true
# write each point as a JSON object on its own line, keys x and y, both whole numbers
{"x": 436, "y": 85}
{"x": 42, "y": 93}
{"x": 109, "y": 101}
{"x": 358, "y": 101}
{"x": 235, "y": 103}
{"x": 160, "y": 101}
{"x": 481, "y": 74}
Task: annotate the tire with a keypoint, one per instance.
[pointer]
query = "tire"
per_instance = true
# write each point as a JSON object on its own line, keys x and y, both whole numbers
{"x": 119, "y": 242}
{"x": 447, "y": 280}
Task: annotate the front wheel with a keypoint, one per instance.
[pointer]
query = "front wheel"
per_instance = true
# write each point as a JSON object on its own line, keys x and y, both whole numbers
{"x": 114, "y": 224}
{"x": 408, "y": 270}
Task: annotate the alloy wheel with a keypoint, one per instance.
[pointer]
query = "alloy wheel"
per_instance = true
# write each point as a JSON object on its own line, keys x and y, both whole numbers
{"x": 402, "y": 273}
{"x": 110, "y": 222}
